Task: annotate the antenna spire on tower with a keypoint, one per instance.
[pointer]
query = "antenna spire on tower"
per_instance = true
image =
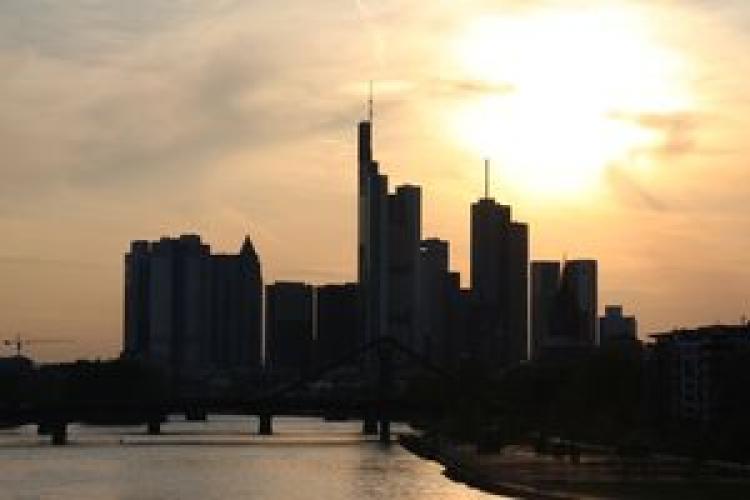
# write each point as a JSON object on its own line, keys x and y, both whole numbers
{"x": 370, "y": 104}
{"x": 486, "y": 177}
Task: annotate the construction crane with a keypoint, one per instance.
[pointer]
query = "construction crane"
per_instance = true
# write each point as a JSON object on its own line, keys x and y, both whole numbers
{"x": 19, "y": 342}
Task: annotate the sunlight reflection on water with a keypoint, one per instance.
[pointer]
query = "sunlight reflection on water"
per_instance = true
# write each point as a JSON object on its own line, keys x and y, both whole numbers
{"x": 219, "y": 459}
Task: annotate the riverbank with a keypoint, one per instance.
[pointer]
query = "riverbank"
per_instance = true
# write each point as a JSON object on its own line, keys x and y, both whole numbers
{"x": 517, "y": 471}
{"x": 461, "y": 466}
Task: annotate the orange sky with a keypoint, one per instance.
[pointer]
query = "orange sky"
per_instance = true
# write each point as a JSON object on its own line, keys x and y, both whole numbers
{"x": 617, "y": 129}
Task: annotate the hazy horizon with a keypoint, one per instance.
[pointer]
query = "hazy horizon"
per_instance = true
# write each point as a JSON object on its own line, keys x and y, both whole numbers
{"x": 616, "y": 130}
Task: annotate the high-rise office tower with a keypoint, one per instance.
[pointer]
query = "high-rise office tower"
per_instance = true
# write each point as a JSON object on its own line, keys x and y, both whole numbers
{"x": 289, "y": 328}
{"x": 458, "y": 347}
{"x": 251, "y": 297}
{"x": 137, "y": 301}
{"x": 236, "y": 309}
{"x": 178, "y": 299}
{"x": 545, "y": 287}
{"x": 578, "y": 302}
{"x": 389, "y": 232}
{"x": 434, "y": 300}
{"x": 190, "y": 312}
{"x": 490, "y": 229}
{"x": 499, "y": 282}
{"x": 518, "y": 295}
{"x": 336, "y": 322}
{"x": 364, "y": 164}
{"x": 403, "y": 237}
{"x": 372, "y": 268}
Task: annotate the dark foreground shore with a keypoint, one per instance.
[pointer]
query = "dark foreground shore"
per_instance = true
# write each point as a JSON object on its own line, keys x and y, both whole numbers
{"x": 518, "y": 472}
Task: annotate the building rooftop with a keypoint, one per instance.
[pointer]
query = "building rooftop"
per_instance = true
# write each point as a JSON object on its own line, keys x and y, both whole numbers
{"x": 703, "y": 331}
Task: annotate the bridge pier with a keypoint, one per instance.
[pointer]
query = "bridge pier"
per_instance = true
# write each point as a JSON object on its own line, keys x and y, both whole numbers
{"x": 265, "y": 424}
{"x": 385, "y": 431}
{"x": 59, "y": 433}
{"x": 153, "y": 426}
{"x": 369, "y": 425}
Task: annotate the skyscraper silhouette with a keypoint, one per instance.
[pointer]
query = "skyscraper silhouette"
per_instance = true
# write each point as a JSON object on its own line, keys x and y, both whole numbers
{"x": 289, "y": 328}
{"x": 336, "y": 322}
{"x": 545, "y": 289}
{"x": 372, "y": 269}
{"x": 499, "y": 282}
{"x": 435, "y": 300}
{"x": 236, "y": 309}
{"x": 578, "y": 302}
{"x": 563, "y": 308}
{"x": 189, "y": 312}
{"x": 404, "y": 235}
{"x": 616, "y": 328}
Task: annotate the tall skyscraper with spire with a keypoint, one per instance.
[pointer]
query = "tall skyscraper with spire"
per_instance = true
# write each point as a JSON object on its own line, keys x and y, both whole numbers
{"x": 372, "y": 266}
{"x": 499, "y": 282}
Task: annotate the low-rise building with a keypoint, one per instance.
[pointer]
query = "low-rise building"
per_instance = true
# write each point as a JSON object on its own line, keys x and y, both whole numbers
{"x": 693, "y": 370}
{"x": 616, "y": 328}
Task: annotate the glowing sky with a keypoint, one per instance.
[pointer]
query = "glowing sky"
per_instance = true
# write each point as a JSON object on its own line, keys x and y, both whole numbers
{"x": 617, "y": 129}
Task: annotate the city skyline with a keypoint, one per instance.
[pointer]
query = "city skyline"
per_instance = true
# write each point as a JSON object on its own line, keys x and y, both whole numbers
{"x": 68, "y": 209}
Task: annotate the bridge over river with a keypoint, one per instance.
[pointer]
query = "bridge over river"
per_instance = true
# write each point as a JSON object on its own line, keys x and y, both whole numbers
{"x": 377, "y": 404}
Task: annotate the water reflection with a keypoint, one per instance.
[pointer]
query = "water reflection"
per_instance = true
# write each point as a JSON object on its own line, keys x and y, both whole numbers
{"x": 220, "y": 459}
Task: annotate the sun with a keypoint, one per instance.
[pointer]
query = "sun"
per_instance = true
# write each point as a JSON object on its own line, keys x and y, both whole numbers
{"x": 555, "y": 86}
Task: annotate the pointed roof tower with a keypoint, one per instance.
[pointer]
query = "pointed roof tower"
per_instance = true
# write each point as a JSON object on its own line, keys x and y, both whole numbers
{"x": 247, "y": 247}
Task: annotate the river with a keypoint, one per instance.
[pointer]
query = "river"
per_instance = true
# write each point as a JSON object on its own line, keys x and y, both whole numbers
{"x": 219, "y": 459}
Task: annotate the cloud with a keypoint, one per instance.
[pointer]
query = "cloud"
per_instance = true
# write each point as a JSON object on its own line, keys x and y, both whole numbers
{"x": 461, "y": 88}
{"x": 678, "y": 130}
{"x": 160, "y": 103}
{"x": 82, "y": 29}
